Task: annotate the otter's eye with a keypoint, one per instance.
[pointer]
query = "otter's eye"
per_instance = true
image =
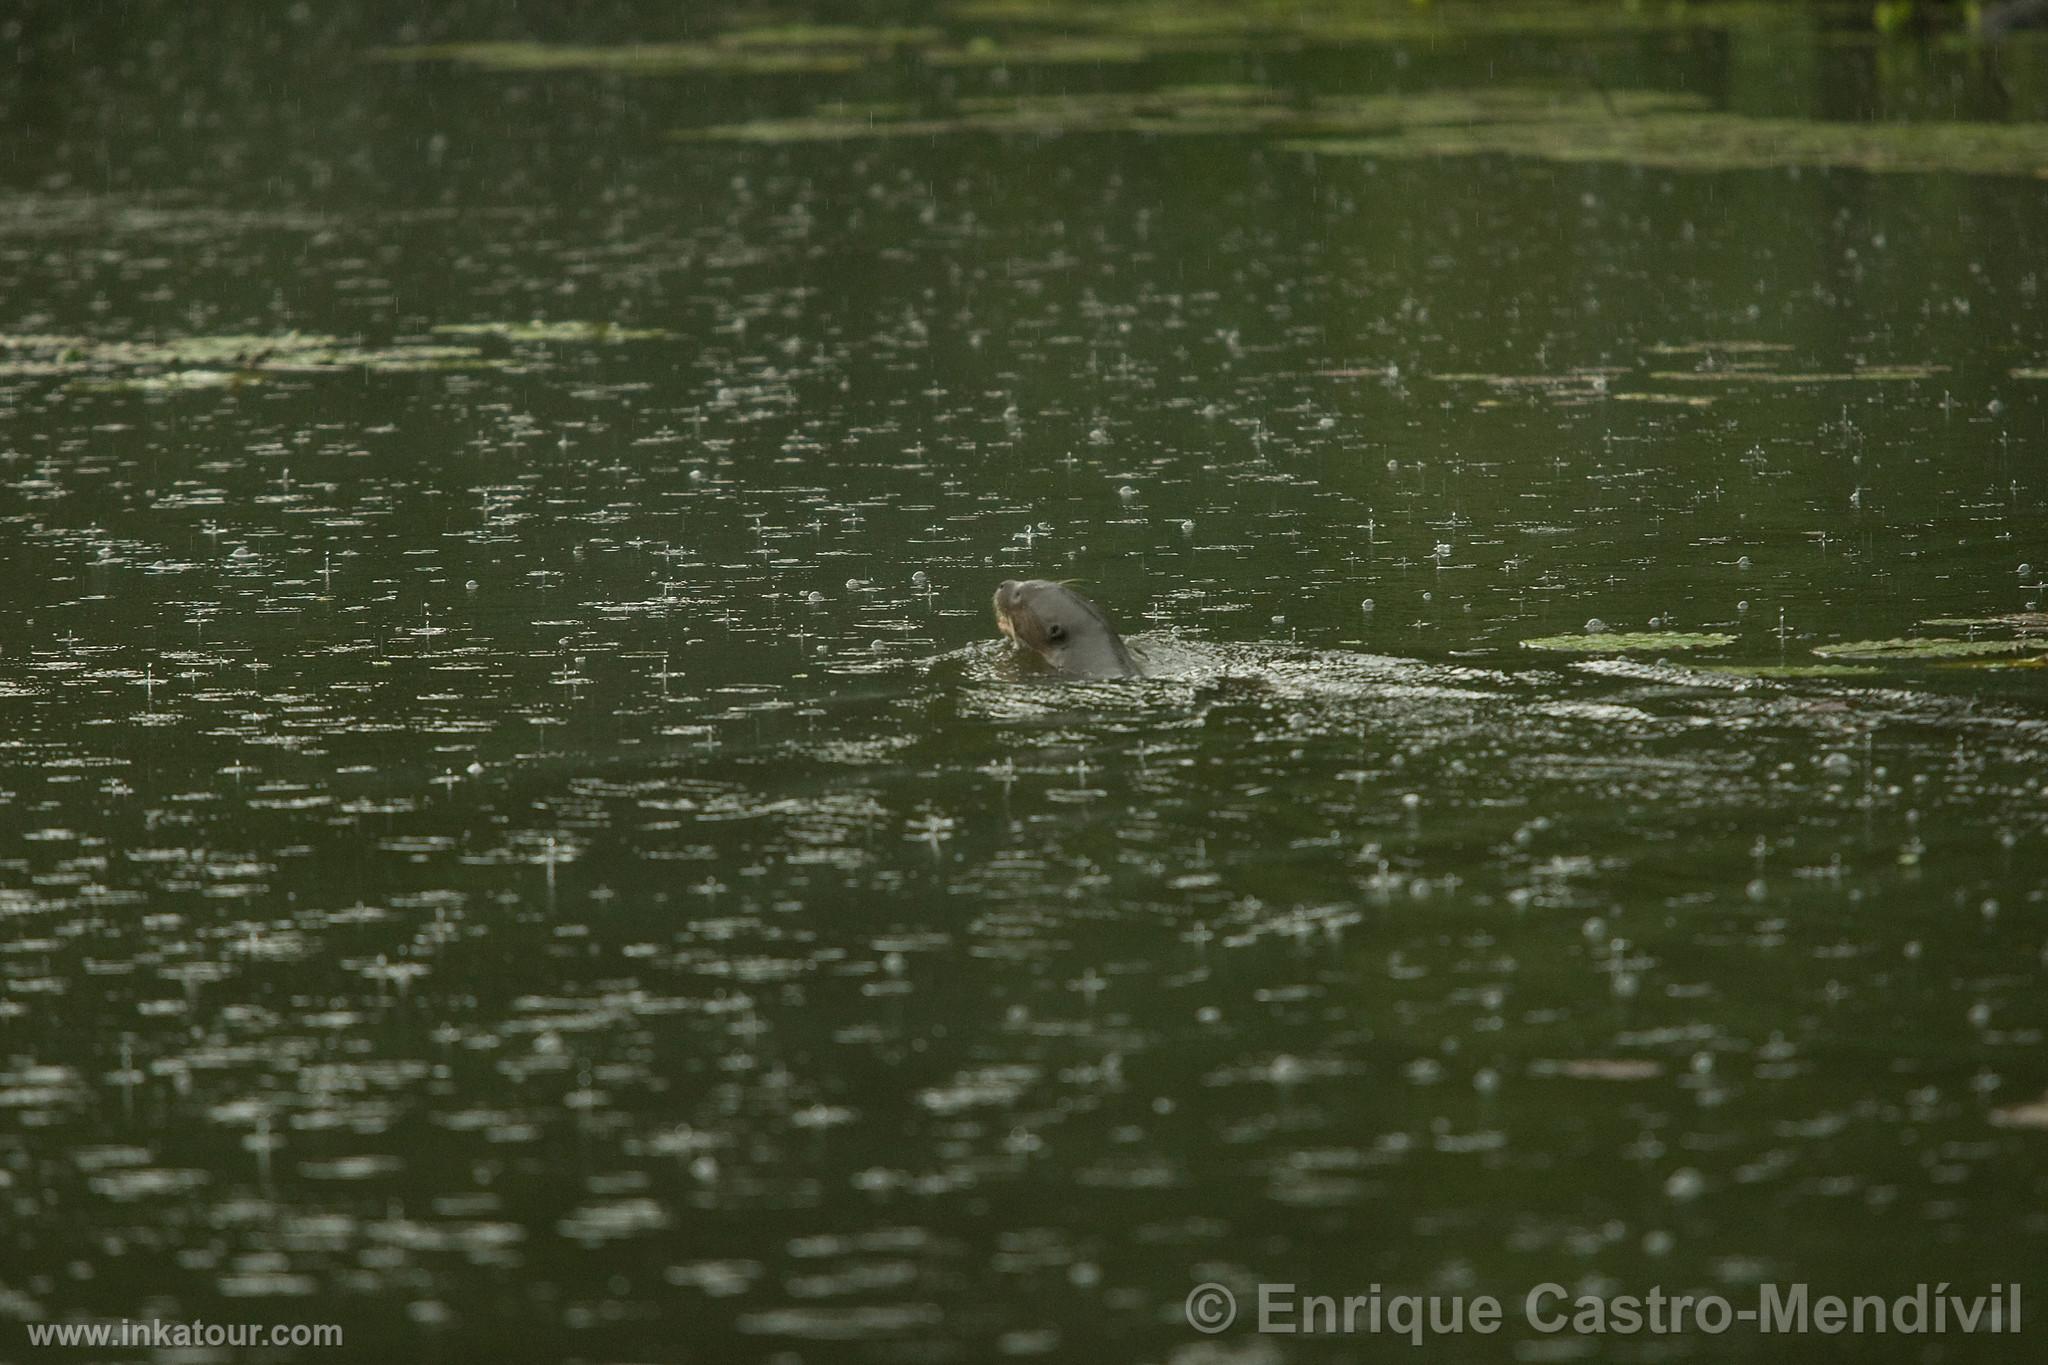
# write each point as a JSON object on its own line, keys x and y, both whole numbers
{"x": 1055, "y": 632}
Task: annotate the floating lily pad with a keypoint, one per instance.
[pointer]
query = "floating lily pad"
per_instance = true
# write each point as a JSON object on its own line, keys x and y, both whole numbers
{"x": 1631, "y": 642}
{"x": 1930, "y": 647}
{"x": 552, "y": 331}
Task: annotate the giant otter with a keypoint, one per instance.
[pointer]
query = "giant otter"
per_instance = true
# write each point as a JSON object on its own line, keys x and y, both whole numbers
{"x": 1066, "y": 628}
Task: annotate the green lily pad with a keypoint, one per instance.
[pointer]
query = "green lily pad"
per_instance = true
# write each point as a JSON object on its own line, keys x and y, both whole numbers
{"x": 1631, "y": 642}
{"x": 1929, "y": 647}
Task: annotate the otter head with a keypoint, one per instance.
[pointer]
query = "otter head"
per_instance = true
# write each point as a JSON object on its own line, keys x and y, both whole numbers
{"x": 1065, "y": 628}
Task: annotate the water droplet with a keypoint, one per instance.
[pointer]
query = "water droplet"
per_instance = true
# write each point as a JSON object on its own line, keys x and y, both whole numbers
{"x": 1685, "y": 1183}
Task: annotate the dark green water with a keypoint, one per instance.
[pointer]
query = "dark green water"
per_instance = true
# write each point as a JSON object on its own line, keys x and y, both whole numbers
{"x": 521, "y": 840}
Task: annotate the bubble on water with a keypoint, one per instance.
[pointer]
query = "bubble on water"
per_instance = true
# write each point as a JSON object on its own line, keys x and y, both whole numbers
{"x": 471, "y": 586}
{"x": 1486, "y": 1080}
{"x": 1366, "y": 605}
{"x": 1742, "y": 563}
{"x": 1757, "y": 889}
{"x": 814, "y": 598}
{"x": 2025, "y": 569}
{"x": 1596, "y": 626}
{"x": 1187, "y": 527}
{"x": 1743, "y": 605}
{"x": 1837, "y": 765}
{"x": 920, "y": 578}
{"x": 1127, "y": 492}
{"x": 853, "y": 585}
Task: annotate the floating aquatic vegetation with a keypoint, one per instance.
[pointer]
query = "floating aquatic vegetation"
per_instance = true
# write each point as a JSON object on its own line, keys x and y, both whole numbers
{"x": 830, "y": 35}
{"x": 1930, "y": 647}
{"x": 1789, "y": 672}
{"x": 1680, "y": 400}
{"x": 1736, "y": 347}
{"x": 1046, "y": 50}
{"x": 1165, "y": 21}
{"x": 1631, "y": 642}
{"x": 1861, "y": 374}
{"x": 1643, "y": 127}
{"x": 637, "y": 59}
{"x": 203, "y": 362}
{"x": 552, "y": 331}
{"x": 1209, "y": 110}
{"x": 2017, "y": 620}
{"x": 1717, "y": 141}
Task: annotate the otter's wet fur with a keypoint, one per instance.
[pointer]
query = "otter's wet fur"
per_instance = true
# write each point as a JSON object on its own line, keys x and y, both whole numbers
{"x": 1064, "y": 628}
